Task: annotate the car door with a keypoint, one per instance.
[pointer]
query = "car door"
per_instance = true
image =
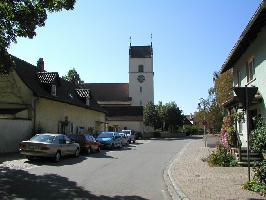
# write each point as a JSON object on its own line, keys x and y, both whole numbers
{"x": 70, "y": 146}
{"x": 117, "y": 139}
{"x": 62, "y": 145}
{"x": 90, "y": 142}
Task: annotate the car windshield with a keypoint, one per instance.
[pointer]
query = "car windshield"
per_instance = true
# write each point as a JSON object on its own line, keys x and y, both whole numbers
{"x": 105, "y": 135}
{"x": 43, "y": 138}
{"x": 126, "y": 132}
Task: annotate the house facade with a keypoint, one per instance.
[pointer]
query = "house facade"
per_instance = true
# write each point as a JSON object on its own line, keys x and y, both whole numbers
{"x": 34, "y": 101}
{"x": 248, "y": 62}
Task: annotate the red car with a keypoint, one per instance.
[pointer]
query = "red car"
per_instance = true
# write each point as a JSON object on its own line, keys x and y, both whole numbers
{"x": 86, "y": 142}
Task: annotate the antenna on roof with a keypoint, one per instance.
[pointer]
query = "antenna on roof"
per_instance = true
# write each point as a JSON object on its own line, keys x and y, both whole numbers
{"x": 130, "y": 41}
{"x": 151, "y": 39}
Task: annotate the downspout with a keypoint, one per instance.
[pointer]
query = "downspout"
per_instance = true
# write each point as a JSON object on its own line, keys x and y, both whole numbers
{"x": 34, "y": 114}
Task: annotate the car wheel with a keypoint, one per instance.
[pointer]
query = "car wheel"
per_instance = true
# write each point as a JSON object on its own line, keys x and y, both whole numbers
{"x": 57, "y": 156}
{"x": 99, "y": 149}
{"x": 89, "y": 150}
{"x": 77, "y": 153}
{"x": 134, "y": 141}
{"x": 30, "y": 158}
{"x": 112, "y": 146}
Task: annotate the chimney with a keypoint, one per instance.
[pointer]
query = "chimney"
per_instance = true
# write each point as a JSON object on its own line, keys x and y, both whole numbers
{"x": 40, "y": 65}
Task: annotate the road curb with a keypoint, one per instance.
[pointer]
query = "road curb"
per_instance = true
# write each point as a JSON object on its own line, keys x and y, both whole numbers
{"x": 174, "y": 190}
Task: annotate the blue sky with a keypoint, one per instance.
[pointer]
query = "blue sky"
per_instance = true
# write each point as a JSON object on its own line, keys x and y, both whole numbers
{"x": 191, "y": 40}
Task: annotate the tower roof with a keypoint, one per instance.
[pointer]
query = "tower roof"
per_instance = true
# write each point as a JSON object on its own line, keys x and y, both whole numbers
{"x": 140, "y": 51}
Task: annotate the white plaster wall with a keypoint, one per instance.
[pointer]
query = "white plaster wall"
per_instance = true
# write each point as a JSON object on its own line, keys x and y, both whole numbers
{"x": 257, "y": 49}
{"x": 12, "y": 132}
{"x": 147, "y": 93}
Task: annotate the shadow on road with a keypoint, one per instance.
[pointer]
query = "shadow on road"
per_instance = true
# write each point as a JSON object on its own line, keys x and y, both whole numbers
{"x": 194, "y": 137}
{"x": 48, "y": 161}
{"x": 9, "y": 157}
{"x": 21, "y": 184}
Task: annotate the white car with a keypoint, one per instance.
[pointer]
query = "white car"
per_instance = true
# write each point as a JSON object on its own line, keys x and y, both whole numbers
{"x": 49, "y": 145}
{"x": 131, "y": 135}
{"x": 125, "y": 139}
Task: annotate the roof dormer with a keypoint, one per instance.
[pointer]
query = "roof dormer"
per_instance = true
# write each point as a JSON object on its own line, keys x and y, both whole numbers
{"x": 84, "y": 95}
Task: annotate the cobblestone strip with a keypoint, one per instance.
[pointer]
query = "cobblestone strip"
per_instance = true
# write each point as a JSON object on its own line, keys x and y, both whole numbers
{"x": 199, "y": 181}
{"x": 174, "y": 190}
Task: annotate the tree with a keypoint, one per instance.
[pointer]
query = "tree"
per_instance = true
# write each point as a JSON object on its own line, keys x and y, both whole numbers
{"x": 150, "y": 115}
{"x": 73, "y": 76}
{"x": 223, "y": 87}
{"x": 20, "y": 19}
{"x": 174, "y": 116}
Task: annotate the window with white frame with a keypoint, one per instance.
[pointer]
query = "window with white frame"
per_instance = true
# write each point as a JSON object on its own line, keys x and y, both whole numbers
{"x": 53, "y": 91}
{"x": 240, "y": 126}
{"x": 238, "y": 78}
{"x": 250, "y": 69}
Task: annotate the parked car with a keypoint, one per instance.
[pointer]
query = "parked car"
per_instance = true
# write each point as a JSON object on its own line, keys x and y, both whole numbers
{"x": 49, "y": 145}
{"x": 130, "y": 134}
{"x": 86, "y": 142}
{"x": 125, "y": 139}
{"x": 109, "y": 140}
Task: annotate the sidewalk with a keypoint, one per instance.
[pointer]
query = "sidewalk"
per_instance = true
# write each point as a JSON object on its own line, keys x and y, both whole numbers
{"x": 199, "y": 181}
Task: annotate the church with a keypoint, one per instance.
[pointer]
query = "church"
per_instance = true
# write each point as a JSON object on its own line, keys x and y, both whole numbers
{"x": 124, "y": 102}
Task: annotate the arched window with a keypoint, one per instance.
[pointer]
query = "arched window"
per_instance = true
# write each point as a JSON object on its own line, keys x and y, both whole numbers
{"x": 141, "y": 68}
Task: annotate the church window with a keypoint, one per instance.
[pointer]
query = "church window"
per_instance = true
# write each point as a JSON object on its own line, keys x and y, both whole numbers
{"x": 53, "y": 92}
{"x": 141, "y": 68}
{"x": 87, "y": 101}
{"x": 140, "y": 89}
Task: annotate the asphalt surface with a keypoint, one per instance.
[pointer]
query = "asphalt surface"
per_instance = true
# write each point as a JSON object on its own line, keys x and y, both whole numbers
{"x": 132, "y": 173}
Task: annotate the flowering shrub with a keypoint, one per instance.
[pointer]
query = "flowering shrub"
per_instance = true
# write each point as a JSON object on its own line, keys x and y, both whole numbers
{"x": 221, "y": 157}
{"x": 224, "y": 138}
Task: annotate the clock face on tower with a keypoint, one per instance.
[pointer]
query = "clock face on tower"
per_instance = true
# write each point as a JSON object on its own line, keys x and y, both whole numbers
{"x": 141, "y": 78}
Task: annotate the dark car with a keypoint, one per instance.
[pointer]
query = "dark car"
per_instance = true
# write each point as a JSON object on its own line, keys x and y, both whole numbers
{"x": 86, "y": 142}
{"x": 110, "y": 140}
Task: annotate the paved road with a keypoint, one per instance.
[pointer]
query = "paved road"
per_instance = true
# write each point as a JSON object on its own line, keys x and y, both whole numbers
{"x": 136, "y": 172}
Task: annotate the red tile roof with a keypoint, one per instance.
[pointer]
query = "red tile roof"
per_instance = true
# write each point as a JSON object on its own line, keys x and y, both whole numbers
{"x": 109, "y": 91}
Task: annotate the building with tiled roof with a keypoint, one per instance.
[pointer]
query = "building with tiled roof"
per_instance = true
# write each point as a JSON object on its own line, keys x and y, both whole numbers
{"x": 33, "y": 101}
{"x": 124, "y": 101}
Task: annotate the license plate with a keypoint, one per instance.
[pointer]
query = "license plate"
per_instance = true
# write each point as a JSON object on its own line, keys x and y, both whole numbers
{"x": 31, "y": 147}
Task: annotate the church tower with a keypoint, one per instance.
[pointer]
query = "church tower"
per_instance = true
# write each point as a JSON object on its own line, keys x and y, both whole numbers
{"x": 141, "y": 87}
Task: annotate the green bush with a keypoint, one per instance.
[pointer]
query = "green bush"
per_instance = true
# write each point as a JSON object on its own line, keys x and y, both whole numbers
{"x": 258, "y": 138}
{"x": 258, "y": 184}
{"x": 260, "y": 172}
{"x": 221, "y": 158}
{"x": 232, "y": 137}
{"x": 254, "y": 186}
{"x": 192, "y": 130}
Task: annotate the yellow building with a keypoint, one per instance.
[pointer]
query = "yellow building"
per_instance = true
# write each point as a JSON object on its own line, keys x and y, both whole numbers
{"x": 35, "y": 101}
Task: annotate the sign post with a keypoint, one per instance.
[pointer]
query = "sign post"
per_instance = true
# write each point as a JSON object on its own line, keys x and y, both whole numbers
{"x": 245, "y": 96}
